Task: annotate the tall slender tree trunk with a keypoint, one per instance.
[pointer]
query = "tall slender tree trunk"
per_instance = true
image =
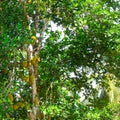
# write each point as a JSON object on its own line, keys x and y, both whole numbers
{"x": 32, "y": 51}
{"x": 32, "y": 71}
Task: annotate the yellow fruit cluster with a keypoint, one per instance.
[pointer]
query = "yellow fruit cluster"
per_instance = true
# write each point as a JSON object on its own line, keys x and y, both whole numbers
{"x": 29, "y": 79}
{"x": 26, "y": 78}
{"x": 18, "y": 105}
{"x": 35, "y": 60}
{"x": 26, "y": 64}
{"x": 34, "y": 40}
{"x": 28, "y": 1}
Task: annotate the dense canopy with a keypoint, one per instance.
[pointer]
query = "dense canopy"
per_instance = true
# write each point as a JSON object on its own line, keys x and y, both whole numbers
{"x": 59, "y": 60}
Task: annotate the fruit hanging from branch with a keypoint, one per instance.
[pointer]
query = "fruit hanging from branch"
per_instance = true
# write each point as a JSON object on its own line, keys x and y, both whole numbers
{"x": 26, "y": 78}
{"x": 31, "y": 79}
{"x": 35, "y": 60}
{"x": 18, "y": 105}
{"x": 28, "y": 1}
{"x": 33, "y": 38}
{"x": 26, "y": 64}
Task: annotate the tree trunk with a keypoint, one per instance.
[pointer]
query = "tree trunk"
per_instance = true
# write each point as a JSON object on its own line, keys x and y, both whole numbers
{"x": 32, "y": 51}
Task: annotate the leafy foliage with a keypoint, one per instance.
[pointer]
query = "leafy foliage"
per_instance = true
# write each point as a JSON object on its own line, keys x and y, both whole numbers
{"x": 72, "y": 60}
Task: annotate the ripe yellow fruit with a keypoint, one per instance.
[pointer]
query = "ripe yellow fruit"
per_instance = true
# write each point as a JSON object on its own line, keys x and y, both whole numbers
{"x": 31, "y": 79}
{"x": 35, "y": 60}
{"x": 25, "y": 64}
{"x": 29, "y": 64}
{"x": 10, "y": 98}
{"x": 38, "y": 59}
{"x": 15, "y": 106}
{"x": 34, "y": 38}
{"x": 26, "y": 78}
{"x": 29, "y": 1}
